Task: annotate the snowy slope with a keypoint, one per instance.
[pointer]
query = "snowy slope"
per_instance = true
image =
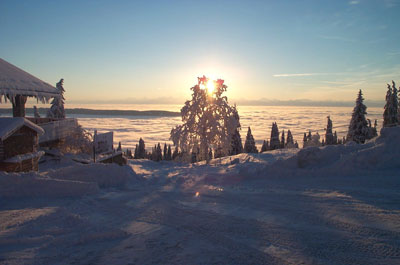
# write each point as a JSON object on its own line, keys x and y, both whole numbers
{"x": 333, "y": 205}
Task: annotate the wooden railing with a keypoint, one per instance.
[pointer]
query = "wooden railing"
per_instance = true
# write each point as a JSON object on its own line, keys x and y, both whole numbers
{"x": 57, "y": 129}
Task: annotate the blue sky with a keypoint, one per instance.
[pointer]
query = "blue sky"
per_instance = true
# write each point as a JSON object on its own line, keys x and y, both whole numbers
{"x": 134, "y": 51}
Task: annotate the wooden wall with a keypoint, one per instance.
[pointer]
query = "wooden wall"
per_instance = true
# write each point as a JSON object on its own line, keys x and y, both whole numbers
{"x": 23, "y": 141}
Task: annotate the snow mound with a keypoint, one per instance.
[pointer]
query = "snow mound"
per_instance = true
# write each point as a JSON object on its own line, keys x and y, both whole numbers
{"x": 377, "y": 155}
{"x": 105, "y": 175}
{"x": 33, "y": 185}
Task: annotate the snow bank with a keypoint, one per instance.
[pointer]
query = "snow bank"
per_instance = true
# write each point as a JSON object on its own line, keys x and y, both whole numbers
{"x": 15, "y": 185}
{"x": 376, "y": 156}
{"x": 105, "y": 175}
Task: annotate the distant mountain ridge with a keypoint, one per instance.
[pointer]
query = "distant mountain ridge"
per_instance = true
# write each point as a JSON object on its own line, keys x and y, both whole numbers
{"x": 96, "y": 112}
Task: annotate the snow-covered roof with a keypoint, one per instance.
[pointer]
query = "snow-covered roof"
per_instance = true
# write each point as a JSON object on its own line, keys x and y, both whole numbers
{"x": 9, "y": 125}
{"x": 14, "y": 81}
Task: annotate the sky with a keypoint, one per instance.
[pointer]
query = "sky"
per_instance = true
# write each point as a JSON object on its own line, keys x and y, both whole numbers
{"x": 153, "y": 51}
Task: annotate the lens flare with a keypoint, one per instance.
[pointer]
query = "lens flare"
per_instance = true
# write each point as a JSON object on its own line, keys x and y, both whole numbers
{"x": 210, "y": 86}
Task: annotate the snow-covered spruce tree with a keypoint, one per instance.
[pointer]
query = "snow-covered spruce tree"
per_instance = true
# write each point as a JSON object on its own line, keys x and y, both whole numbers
{"x": 395, "y": 105}
{"x": 264, "y": 146}
{"x": 387, "y": 113}
{"x": 329, "y": 138}
{"x": 207, "y": 119}
{"x": 57, "y": 105}
{"x": 141, "y": 150}
{"x": 250, "y": 144}
{"x": 283, "y": 139}
{"x": 335, "y": 138}
{"x": 236, "y": 143}
{"x": 358, "y": 128}
{"x": 165, "y": 151}
{"x": 169, "y": 153}
{"x": 289, "y": 140}
{"x": 119, "y": 147}
{"x": 274, "y": 142}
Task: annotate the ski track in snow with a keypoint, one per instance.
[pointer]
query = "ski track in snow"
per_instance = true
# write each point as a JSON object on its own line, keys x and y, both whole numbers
{"x": 233, "y": 220}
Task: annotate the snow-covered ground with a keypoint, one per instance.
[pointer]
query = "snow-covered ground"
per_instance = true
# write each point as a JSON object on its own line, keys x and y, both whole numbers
{"x": 330, "y": 205}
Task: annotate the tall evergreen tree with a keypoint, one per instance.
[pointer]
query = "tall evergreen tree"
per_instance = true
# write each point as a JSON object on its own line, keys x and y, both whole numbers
{"x": 289, "y": 140}
{"x": 57, "y": 105}
{"x": 119, "y": 147}
{"x": 169, "y": 153}
{"x": 329, "y": 138}
{"x": 358, "y": 128}
{"x": 250, "y": 144}
{"x": 395, "y": 105}
{"x": 274, "y": 142}
{"x": 236, "y": 142}
{"x": 165, "y": 151}
{"x": 387, "y": 113}
{"x": 136, "y": 155}
{"x": 141, "y": 154}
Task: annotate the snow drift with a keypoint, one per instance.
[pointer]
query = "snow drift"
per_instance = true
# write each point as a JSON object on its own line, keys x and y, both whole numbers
{"x": 34, "y": 185}
{"x": 377, "y": 155}
{"x": 105, "y": 175}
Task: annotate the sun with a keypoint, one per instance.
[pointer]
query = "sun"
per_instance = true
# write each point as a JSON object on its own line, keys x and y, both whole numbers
{"x": 210, "y": 86}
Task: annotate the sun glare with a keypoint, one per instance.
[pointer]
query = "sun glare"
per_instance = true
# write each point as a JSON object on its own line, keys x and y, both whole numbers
{"x": 210, "y": 86}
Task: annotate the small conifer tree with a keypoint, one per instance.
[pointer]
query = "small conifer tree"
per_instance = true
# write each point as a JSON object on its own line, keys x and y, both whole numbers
{"x": 264, "y": 146}
{"x": 250, "y": 145}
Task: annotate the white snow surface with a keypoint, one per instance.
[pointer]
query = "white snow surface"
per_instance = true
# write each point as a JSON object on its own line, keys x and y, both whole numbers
{"x": 328, "y": 205}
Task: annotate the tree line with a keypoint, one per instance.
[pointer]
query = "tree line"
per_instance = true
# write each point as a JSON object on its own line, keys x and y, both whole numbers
{"x": 211, "y": 128}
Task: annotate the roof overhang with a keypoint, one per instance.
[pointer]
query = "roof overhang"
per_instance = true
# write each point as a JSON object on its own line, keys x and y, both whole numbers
{"x": 15, "y": 81}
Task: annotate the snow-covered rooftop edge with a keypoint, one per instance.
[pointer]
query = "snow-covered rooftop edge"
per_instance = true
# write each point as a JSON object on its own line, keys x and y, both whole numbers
{"x": 15, "y": 81}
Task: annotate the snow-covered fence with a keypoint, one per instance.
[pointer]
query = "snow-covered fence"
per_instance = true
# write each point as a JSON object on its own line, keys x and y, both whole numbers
{"x": 59, "y": 129}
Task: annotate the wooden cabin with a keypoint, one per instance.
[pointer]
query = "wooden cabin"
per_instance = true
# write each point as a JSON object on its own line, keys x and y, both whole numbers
{"x": 19, "y": 141}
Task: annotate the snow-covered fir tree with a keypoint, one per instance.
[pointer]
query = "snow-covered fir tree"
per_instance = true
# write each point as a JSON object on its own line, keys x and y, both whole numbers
{"x": 236, "y": 143}
{"x": 289, "y": 140}
{"x": 395, "y": 105}
{"x": 36, "y": 112}
{"x": 329, "y": 138}
{"x": 135, "y": 156}
{"x": 283, "y": 139}
{"x": 169, "y": 153}
{"x": 358, "y": 128}
{"x": 250, "y": 144}
{"x": 159, "y": 155}
{"x": 165, "y": 151}
{"x": 312, "y": 140}
{"x": 207, "y": 118}
{"x": 274, "y": 142}
{"x": 57, "y": 105}
{"x": 119, "y": 147}
{"x": 264, "y": 146}
{"x": 141, "y": 150}
{"x": 387, "y": 113}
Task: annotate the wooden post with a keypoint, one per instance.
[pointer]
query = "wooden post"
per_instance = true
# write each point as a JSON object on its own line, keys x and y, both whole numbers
{"x": 18, "y": 104}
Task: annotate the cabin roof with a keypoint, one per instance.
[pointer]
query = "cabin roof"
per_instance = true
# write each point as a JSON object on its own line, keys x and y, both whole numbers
{"x": 10, "y": 125}
{"x": 15, "y": 81}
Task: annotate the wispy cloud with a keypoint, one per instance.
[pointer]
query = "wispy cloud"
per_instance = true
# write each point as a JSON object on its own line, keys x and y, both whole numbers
{"x": 354, "y": 2}
{"x": 337, "y": 38}
{"x": 296, "y": 75}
